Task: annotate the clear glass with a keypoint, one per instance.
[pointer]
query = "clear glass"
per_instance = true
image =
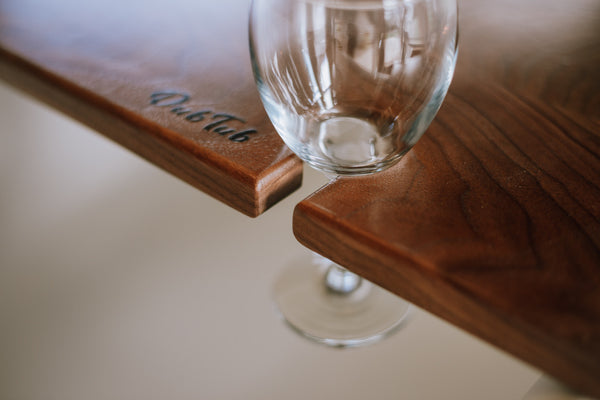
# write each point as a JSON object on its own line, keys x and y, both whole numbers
{"x": 350, "y": 86}
{"x": 326, "y": 303}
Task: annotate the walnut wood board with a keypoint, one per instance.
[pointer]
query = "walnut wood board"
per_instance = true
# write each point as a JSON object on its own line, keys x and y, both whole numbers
{"x": 169, "y": 80}
{"x": 492, "y": 221}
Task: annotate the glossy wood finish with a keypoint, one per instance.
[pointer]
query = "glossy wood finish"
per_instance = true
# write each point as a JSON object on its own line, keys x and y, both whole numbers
{"x": 101, "y": 61}
{"x": 492, "y": 221}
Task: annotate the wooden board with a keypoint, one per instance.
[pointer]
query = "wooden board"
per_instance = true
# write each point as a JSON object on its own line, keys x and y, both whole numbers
{"x": 492, "y": 221}
{"x": 169, "y": 80}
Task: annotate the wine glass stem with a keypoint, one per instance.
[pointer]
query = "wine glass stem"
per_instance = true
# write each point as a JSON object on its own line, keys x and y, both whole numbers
{"x": 340, "y": 280}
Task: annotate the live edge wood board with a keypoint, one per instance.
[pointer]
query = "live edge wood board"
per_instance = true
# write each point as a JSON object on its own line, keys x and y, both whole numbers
{"x": 170, "y": 80}
{"x": 492, "y": 221}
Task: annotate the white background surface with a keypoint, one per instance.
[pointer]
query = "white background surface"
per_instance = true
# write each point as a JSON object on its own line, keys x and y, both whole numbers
{"x": 118, "y": 281}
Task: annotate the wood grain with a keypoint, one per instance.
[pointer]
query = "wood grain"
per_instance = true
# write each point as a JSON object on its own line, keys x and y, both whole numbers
{"x": 100, "y": 62}
{"x": 492, "y": 221}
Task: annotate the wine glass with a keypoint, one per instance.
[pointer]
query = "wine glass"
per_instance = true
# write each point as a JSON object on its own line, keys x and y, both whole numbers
{"x": 350, "y": 86}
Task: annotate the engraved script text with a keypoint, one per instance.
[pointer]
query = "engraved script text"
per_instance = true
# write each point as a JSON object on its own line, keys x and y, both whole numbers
{"x": 219, "y": 123}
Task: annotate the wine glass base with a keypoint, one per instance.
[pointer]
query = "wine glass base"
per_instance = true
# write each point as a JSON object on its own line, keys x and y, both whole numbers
{"x": 361, "y": 317}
